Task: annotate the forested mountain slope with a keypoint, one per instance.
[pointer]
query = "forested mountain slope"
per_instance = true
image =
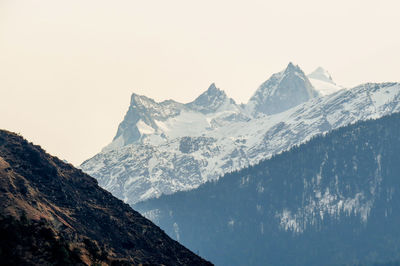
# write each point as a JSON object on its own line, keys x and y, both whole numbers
{"x": 334, "y": 200}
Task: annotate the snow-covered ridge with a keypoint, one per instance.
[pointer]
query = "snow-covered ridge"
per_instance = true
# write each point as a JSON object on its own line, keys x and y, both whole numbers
{"x": 322, "y": 81}
{"x": 190, "y": 147}
{"x": 148, "y": 120}
{"x": 282, "y": 91}
{"x": 212, "y": 101}
{"x": 322, "y": 75}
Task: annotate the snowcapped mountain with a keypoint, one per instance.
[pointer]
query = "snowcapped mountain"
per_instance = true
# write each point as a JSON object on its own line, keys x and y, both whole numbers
{"x": 321, "y": 74}
{"x": 281, "y": 92}
{"x": 213, "y": 100}
{"x": 180, "y": 146}
{"x": 332, "y": 201}
{"x": 141, "y": 119}
{"x": 323, "y": 82}
{"x": 150, "y": 122}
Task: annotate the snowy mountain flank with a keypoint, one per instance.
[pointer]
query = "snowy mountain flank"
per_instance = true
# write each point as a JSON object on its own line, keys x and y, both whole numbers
{"x": 282, "y": 91}
{"x": 150, "y": 122}
{"x": 323, "y": 82}
{"x": 162, "y": 148}
{"x": 333, "y": 200}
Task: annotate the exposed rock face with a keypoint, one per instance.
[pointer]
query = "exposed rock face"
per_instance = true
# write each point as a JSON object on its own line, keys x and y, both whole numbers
{"x": 141, "y": 118}
{"x": 281, "y": 92}
{"x": 147, "y": 120}
{"x": 62, "y": 206}
{"x": 199, "y": 147}
{"x": 212, "y": 100}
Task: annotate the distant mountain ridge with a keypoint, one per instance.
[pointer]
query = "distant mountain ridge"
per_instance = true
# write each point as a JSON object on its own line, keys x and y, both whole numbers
{"x": 180, "y": 146}
{"x": 322, "y": 80}
{"x": 146, "y": 117}
{"x": 281, "y": 92}
{"x": 54, "y": 214}
{"x": 212, "y": 100}
{"x": 334, "y": 200}
{"x": 321, "y": 74}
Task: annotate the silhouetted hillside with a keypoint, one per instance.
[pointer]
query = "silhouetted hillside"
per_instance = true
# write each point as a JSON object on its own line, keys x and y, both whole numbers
{"x": 53, "y": 214}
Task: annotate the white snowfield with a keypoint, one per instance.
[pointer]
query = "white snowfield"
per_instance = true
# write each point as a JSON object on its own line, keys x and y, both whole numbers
{"x": 322, "y": 82}
{"x": 325, "y": 88}
{"x": 213, "y": 136}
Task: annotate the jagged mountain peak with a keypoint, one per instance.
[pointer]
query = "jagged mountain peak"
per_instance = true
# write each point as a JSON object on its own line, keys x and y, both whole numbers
{"x": 149, "y": 120}
{"x": 292, "y": 68}
{"x": 147, "y": 102}
{"x": 201, "y": 152}
{"x": 321, "y": 74}
{"x": 282, "y": 91}
{"x": 137, "y": 97}
{"x": 211, "y": 100}
{"x": 212, "y": 92}
{"x": 141, "y": 119}
{"x": 289, "y": 71}
{"x": 213, "y": 87}
{"x": 142, "y": 102}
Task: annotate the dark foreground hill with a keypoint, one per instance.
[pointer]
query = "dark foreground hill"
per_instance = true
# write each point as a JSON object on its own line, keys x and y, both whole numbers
{"x": 53, "y": 214}
{"x": 332, "y": 201}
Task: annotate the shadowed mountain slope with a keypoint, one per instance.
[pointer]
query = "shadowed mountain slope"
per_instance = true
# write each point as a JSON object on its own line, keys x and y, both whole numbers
{"x": 53, "y": 214}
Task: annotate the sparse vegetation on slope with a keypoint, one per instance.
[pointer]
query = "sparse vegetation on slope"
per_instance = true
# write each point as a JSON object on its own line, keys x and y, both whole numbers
{"x": 52, "y": 213}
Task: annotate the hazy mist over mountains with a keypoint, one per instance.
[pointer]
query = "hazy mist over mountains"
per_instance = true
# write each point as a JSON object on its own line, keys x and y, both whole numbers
{"x": 199, "y": 132}
{"x": 162, "y": 148}
{"x": 304, "y": 173}
{"x": 69, "y": 67}
{"x": 231, "y": 182}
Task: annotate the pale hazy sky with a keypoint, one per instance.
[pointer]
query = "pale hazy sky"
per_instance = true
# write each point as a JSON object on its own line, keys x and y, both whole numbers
{"x": 67, "y": 68}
